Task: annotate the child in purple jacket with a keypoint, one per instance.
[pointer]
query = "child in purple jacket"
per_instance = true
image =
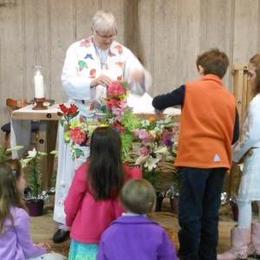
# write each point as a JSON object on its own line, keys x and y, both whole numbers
{"x": 15, "y": 238}
{"x": 134, "y": 236}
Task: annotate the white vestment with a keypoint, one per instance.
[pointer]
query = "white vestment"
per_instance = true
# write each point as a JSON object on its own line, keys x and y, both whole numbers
{"x": 249, "y": 147}
{"x": 82, "y": 64}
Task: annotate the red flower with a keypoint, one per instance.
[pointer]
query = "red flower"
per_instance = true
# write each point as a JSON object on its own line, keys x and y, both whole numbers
{"x": 64, "y": 109}
{"x": 78, "y": 136}
{"x": 72, "y": 110}
{"x": 116, "y": 89}
{"x": 113, "y": 103}
{"x": 118, "y": 126}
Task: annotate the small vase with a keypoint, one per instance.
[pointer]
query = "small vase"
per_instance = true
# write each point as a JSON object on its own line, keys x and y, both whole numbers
{"x": 174, "y": 201}
{"x": 159, "y": 201}
{"x": 35, "y": 207}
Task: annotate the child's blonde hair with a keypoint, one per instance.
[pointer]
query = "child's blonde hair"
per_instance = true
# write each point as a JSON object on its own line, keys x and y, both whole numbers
{"x": 138, "y": 196}
{"x": 10, "y": 172}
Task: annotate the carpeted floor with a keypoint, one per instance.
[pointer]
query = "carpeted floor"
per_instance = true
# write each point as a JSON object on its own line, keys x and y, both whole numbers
{"x": 43, "y": 228}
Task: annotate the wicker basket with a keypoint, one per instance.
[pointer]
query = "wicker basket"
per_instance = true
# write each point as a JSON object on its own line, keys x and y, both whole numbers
{"x": 163, "y": 176}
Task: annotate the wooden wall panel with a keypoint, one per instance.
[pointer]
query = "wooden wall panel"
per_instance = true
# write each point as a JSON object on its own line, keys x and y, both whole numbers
{"x": 245, "y": 30}
{"x": 216, "y": 28}
{"x": 216, "y": 22}
{"x": 258, "y": 29}
{"x": 84, "y": 10}
{"x": 61, "y": 34}
{"x": 165, "y": 38}
{"x": 12, "y": 55}
{"x": 145, "y": 34}
{"x": 167, "y": 35}
{"x": 188, "y": 30}
{"x": 36, "y": 44}
{"x": 117, "y": 7}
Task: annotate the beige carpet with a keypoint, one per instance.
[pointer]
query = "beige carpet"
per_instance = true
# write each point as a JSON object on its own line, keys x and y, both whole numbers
{"x": 43, "y": 228}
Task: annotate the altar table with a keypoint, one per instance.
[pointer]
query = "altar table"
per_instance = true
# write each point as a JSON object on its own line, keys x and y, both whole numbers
{"x": 46, "y": 138}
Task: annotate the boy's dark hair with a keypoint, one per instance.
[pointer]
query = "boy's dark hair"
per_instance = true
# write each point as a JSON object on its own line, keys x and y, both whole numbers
{"x": 138, "y": 196}
{"x": 213, "y": 62}
{"x": 106, "y": 175}
{"x": 255, "y": 61}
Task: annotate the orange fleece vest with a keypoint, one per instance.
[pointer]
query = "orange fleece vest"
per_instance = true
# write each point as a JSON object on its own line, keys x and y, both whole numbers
{"x": 207, "y": 125}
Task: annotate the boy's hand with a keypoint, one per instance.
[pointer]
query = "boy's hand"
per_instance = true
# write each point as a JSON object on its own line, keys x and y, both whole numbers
{"x": 158, "y": 112}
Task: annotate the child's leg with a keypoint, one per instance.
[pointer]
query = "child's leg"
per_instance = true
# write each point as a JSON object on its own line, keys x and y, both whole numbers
{"x": 209, "y": 220}
{"x": 241, "y": 234}
{"x": 244, "y": 214}
{"x": 194, "y": 186}
{"x": 82, "y": 251}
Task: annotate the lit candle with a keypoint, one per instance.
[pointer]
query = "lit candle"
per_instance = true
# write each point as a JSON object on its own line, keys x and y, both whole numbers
{"x": 38, "y": 85}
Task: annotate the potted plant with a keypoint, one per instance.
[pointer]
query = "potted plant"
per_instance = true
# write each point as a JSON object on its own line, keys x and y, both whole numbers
{"x": 35, "y": 196}
{"x": 5, "y": 153}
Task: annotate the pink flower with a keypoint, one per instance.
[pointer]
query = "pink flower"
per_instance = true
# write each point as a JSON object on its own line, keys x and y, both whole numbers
{"x": 118, "y": 113}
{"x": 116, "y": 89}
{"x": 144, "y": 151}
{"x": 142, "y": 134}
{"x": 78, "y": 136}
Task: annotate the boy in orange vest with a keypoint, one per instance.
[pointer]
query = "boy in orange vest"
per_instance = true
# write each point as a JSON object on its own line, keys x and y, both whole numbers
{"x": 209, "y": 127}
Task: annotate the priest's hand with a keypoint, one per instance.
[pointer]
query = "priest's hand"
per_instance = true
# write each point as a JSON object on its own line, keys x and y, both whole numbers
{"x": 101, "y": 80}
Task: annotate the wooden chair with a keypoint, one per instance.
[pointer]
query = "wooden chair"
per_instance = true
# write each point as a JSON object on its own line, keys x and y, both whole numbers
{"x": 243, "y": 94}
{"x": 14, "y": 104}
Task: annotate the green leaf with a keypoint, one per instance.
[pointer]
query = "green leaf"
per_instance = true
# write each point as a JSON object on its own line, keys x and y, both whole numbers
{"x": 131, "y": 121}
{"x": 54, "y": 152}
{"x": 67, "y": 136}
{"x": 78, "y": 152}
{"x": 82, "y": 64}
{"x": 127, "y": 140}
{"x": 15, "y": 148}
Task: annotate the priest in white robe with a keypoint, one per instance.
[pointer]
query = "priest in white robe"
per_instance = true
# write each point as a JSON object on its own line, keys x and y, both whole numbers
{"x": 90, "y": 66}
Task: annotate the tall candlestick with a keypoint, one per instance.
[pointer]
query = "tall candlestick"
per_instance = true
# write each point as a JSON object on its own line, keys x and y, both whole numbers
{"x": 38, "y": 84}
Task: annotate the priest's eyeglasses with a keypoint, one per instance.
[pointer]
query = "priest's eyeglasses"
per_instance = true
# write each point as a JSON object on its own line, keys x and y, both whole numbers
{"x": 111, "y": 36}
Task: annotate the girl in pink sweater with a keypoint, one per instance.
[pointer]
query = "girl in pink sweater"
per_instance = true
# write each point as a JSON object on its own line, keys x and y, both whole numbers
{"x": 92, "y": 203}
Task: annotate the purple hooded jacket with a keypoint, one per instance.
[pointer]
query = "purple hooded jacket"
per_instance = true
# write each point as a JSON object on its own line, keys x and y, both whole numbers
{"x": 16, "y": 242}
{"x": 135, "y": 238}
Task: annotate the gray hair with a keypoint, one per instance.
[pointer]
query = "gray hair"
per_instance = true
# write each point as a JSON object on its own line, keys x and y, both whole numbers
{"x": 103, "y": 22}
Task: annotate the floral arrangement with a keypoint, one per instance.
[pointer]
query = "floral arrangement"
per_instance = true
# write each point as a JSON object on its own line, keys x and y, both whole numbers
{"x": 155, "y": 141}
{"x": 76, "y": 130}
{"x": 149, "y": 142}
